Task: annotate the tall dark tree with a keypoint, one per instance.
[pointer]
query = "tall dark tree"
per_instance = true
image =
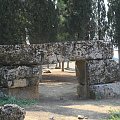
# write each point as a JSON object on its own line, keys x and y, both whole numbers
{"x": 114, "y": 23}
{"x": 99, "y": 13}
{"x": 79, "y": 12}
{"x": 34, "y": 18}
{"x": 43, "y": 21}
{"x": 62, "y": 17}
{"x": 12, "y": 22}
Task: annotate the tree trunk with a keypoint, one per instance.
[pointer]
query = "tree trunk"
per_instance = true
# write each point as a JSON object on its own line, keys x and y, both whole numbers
{"x": 67, "y": 64}
{"x": 62, "y": 66}
{"x": 119, "y": 55}
{"x": 47, "y": 65}
{"x": 99, "y": 31}
{"x": 56, "y": 65}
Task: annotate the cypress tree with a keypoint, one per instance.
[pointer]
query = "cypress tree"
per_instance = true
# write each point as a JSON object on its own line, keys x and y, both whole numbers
{"x": 114, "y": 23}
{"x": 79, "y": 19}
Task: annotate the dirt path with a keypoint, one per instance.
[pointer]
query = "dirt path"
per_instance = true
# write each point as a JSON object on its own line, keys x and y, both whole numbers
{"x": 58, "y": 98}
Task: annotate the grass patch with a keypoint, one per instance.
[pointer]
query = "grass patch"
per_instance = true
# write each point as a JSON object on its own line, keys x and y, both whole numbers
{"x": 114, "y": 115}
{"x": 20, "y": 102}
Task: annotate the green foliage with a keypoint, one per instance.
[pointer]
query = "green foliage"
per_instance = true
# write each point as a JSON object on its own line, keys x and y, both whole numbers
{"x": 12, "y": 22}
{"x": 114, "y": 115}
{"x": 114, "y": 21}
{"x": 62, "y": 34}
{"x": 48, "y": 20}
{"x": 43, "y": 21}
{"x": 39, "y": 17}
{"x": 79, "y": 14}
{"x": 20, "y": 102}
{"x": 99, "y": 18}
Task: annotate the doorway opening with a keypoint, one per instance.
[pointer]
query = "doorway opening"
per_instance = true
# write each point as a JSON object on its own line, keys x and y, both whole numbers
{"x": 59, "y": 85}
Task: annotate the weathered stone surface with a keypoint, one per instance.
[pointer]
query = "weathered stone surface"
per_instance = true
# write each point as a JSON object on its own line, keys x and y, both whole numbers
{"x": 102, "y": 71}
{"x": 81, "y": 72}
{"x": 12, "y": 112}
{"x": 105, "y": 90}
{"x": 82, "y": 88}
{"x": 83, "y": 91}
{"x": 3, "y": 92}
{"x": 30, "y": 92}
{"x": 19, "y": 76}
{"x": 54, "y": 52}
{"x": 96, "y": 72}
{"x": 20, "y": 54}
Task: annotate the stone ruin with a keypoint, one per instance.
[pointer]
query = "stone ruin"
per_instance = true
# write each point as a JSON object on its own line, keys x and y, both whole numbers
{"x": 12, "y": 112}
{"x": 20, "y": 68}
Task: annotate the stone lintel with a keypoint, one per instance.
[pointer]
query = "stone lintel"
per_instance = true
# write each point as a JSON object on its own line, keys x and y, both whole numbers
{"x": 54, "y": 52}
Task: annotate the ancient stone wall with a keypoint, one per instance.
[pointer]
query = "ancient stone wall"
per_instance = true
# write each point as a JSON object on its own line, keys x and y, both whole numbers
{"x": 20, "y": 65}
{"x": 14, "y": 80}
{"x": 101, "y": 79}
{"x": 102, "y": 71}
{"x": 54, "y": 52}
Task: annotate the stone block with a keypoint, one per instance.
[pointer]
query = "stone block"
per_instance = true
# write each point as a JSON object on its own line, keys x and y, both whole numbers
{"x": 20, "y": 54}
{"x": 105, "y": 91}
{"x": 12, "y": 76}
{"x": 92, "y": 50}
{"x": 102, "y": 71}
{"x": 31, "y": 92}
{"x": 36, "y": 54}
{"x": 18, "y": 83}
{"x": 12, "y": 112}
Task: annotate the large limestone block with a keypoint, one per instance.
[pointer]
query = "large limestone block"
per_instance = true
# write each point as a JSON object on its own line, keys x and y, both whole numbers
{"x": 105, "y": 90}
{"x": 58, "y": 52}
{"x": 102, "y": 71}
{"x": 54, "y": 52}
{"x": 21, "y": 76}
{"x": 20, "y": 54}
{"x": 30, "y": 92}
{"x": 92, "y": 50}
{"x": 12, "y": 112}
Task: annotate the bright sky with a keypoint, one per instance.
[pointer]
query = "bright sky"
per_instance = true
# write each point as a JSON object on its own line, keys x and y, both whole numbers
{"x": 116, "y": 54}
{"x": 106, "y": 5}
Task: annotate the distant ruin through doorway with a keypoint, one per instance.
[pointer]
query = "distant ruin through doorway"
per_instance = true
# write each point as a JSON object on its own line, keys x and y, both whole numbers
{"x": 59, "y": 85}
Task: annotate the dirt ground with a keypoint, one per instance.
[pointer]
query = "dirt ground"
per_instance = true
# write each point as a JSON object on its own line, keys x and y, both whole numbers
{"x": 58, "y": 99}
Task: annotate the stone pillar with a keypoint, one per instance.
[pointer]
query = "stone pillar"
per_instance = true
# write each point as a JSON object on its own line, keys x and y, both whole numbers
{"x": 81, "y": 74}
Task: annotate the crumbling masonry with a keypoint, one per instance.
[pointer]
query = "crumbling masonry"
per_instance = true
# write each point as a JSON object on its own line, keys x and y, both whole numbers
{"x": 97, "y": 73}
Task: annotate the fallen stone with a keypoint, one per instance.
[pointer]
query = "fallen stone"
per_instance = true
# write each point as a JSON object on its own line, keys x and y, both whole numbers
{"x": 12, "y": 112}
{"x": 48, "y": 71}
{"x": 81, "y": 117}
